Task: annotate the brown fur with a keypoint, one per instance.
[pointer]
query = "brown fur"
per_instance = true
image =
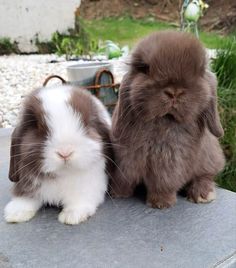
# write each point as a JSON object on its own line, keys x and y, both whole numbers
{"x": 26, "y": 148}
{"x": 81, "y": 101}
{"x": 28, "y": 138}
{"x": 166, "y": 122}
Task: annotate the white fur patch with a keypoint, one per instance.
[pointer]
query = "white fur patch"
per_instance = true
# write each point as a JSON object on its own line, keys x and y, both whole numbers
{"x": 20, "y": 209}
{"x": 67, "y": 133}
{"x": 60, "y": 116}
{"x": 76, "y": 216}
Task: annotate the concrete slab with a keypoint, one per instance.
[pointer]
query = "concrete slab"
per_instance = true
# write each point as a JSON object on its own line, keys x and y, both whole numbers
{"x": 123, "y": 233}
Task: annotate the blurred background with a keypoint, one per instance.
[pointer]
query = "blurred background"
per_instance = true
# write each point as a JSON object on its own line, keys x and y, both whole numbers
{"x": 40, "y": 38}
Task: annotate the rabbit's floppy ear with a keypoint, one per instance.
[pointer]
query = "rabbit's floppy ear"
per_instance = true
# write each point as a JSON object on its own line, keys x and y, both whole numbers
{"x": 212, "y": 118}
{"x": 211, "y": 114}
{"x": 122, "y": 106}
{"x": 15, "y": 155}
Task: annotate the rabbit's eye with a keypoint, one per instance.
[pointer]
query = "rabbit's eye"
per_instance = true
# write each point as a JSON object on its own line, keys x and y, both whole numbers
{"x": 33, "y": 121}
{"x": 143, "y": 68}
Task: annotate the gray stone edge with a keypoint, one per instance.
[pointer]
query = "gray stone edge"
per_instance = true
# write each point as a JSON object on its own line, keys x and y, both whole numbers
{"x": 5, "y": 132}
{"x": 228, "y": 262}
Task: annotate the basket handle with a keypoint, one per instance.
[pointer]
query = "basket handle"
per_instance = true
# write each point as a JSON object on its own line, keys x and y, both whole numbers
{"x": 53, "y": 76}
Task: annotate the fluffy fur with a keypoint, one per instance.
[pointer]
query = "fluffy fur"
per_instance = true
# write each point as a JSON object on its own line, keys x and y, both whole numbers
{"x": 59, "y": 152}
{"x": 166, "y": 124}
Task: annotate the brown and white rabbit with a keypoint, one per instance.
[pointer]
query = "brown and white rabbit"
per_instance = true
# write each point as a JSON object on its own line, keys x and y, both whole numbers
{"x": 58, "y": 155}
{"x": 166, "y": 122}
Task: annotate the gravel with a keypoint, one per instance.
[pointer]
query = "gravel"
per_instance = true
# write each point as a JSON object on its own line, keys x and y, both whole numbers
{"x": 20, "y": 74}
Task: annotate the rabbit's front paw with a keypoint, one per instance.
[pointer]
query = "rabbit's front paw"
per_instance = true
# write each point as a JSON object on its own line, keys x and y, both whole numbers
{"x": 201, "y": 191}
{"x": 161, "y": 201}
{"x": 20, "y": 210}
{"x": 203, "y": 199}
{"x": 75, "y": 216}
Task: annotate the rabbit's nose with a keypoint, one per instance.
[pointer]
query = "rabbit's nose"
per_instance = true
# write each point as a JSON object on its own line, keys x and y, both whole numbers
{"x": 65, "y": 154}
{"x": 173, "y": 93}
{"x": 170, "y": 93}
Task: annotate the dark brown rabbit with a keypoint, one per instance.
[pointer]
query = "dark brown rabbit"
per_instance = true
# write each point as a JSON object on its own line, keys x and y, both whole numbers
{"x": 166, "y": 124}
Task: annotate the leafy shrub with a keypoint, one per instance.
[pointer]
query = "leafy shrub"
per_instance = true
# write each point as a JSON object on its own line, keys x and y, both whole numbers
{"x": 225, "y": 68}
{"x": 7, "y": 47}
{"x": 45, "y": 47}
{"x": 74, "y": 43}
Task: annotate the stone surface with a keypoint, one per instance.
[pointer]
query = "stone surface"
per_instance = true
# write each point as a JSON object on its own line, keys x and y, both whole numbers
{"x": 123, "y": 233}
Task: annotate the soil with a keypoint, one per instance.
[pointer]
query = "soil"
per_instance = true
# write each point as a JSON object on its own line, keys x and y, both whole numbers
{"x": 220, "y": 16}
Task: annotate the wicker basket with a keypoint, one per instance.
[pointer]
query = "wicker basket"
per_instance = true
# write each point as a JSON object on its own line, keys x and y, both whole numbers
{"x": 104, "y": 87}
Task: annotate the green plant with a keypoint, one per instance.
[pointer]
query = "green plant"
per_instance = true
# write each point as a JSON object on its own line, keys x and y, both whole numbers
{"x": 7, "y": 47}
{"x": 225, "y": 68}
{"x": 225, "y": 65}
{"x": 74, "y": 43}
{"x": 45, "y": 47}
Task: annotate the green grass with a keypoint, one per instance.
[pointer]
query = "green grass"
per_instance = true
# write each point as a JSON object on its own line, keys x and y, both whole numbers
{"x": 213, "y": 40}
{"x": 124, "y": 30}
{"x": 127, "y": 31}
{"x": 227, "y": 103}
{"x": 225, "y": 68}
